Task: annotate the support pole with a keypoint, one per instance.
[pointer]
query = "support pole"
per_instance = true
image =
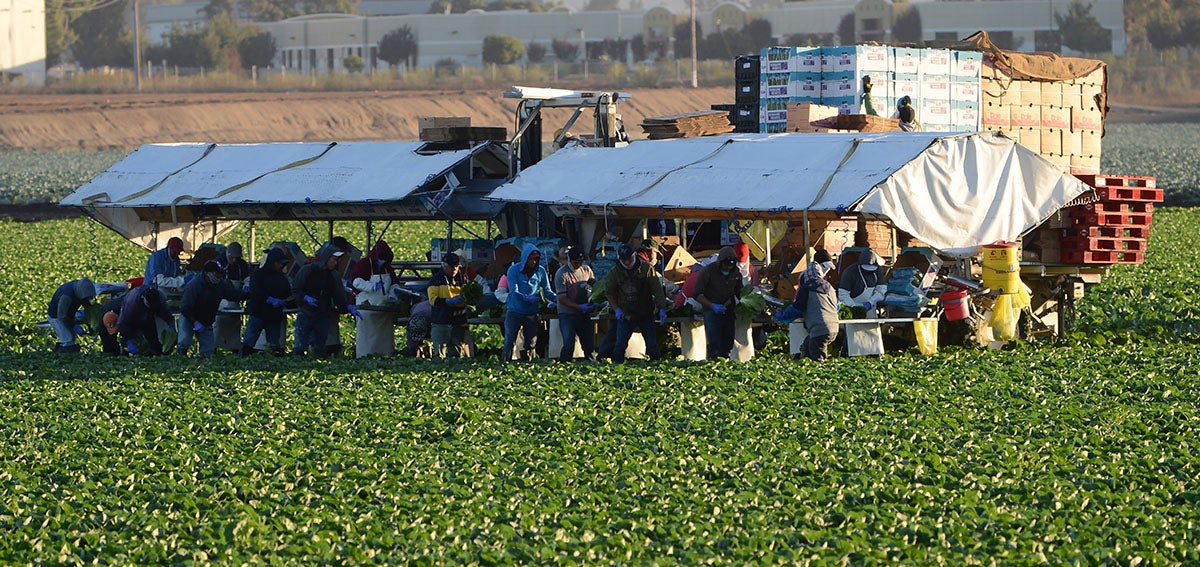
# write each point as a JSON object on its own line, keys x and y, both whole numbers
{"x": 253, "y": 241}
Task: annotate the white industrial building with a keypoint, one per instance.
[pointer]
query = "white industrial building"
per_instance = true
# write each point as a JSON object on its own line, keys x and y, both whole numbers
{"x": 23, "y": 42}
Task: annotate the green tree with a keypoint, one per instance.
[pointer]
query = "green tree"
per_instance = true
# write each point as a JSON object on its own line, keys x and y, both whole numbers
{"x": 59, "y": 35}
{"x": 907, "y": 27}
{"x": 257, "y": 48}
{"x": 845, "y": 30}
{"x": 536, "y": 52}
{"x": 760, "y": 34}
{"x": 1081, "y": 31}
{"x": 102, "y": 37}
{"x": 214, "y": 7}
{"x": 399, "y": 45}
{"x": 564, "y": 50}
{"x": 353, "y": 63}
{"x": 683, "y": 39}
{"x": 456, "y": 6}
{"x": 275, "y": 10}
{"x": 502, "y": 49}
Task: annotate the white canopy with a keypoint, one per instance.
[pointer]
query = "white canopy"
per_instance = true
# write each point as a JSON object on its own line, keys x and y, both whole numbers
{"x": 174, "y": 187}
{"x": 954, "y": 192}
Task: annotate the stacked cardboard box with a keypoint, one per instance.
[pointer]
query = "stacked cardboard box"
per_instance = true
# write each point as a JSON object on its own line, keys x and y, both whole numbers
{"x": 1060, "y": 120}
{"x": 943, "y": 84}
{"x": 1114, "y": 229}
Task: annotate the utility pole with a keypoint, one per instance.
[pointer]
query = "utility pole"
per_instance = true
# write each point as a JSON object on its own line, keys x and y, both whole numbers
{"x": 137, "y": 50}
{"x": 695, "y": 80}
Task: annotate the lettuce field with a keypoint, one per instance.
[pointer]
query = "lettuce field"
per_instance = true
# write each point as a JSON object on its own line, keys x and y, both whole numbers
{"x": 1080, "y": 450}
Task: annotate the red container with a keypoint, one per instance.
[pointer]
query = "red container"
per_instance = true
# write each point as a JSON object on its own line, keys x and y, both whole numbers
{"x": 955, "y": 304}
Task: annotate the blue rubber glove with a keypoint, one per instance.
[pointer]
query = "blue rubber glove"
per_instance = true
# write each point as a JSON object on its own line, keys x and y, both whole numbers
{"x": 585, "y": 307}
{"x": 79, "y": 330}
{"x": 531, "y": 297}
{"x": 354, "y": 311}
{"x": 132, "y": 348}
{"x": 867, "y": 305}
{"x": 276, "y": 302}
{"x": 619, "y": 313}
{"x": 662, "y": 316}
{"x": 79, "y": 315}
{"x": 456, "y": 300}
{"x": 718, "y": 308}
{"x": 198, "y": 326}
{"x": 379, "y": 286}
{"x": 246, "y": 288}
{"x": 310, "y": 300}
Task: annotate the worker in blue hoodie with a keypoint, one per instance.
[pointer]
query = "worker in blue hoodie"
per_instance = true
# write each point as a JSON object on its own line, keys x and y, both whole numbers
{"x": 528, "y": 282}
{"x": 68, "y": 299}
{"x": 198, "y": 309}
{"x": 321, "y": 295}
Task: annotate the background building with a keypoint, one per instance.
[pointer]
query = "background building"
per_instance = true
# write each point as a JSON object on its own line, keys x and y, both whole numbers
{"x": 23, "y": 42}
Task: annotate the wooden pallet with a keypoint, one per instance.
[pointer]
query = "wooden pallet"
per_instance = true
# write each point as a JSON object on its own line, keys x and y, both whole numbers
{"x": 1098, "y": 181}
{"x": 1106, "y": 232}
{"x": 1105, "y": 219}
{"x": 1129, "y": 194}
{"x": 1085, "y": 243}
{"x": 1102, "y": 257}
{"x": 1121, "y": 206}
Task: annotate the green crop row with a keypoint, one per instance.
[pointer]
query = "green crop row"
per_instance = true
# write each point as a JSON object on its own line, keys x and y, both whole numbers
{"x": 47, "y": 177}
{"x": 1070, "y": 451}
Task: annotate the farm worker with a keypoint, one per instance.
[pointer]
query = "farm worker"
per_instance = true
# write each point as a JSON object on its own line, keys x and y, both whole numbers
{"x": 573, "y": 288}
{"x": 528, "y": 282}
{"x": 269, "y": 292}
{"x": 449, "y": 329}
{"x": 374, "y": 282}
{"x": 862, "y": 285}
{"x": 198, "y": 309}
{"x": 110, "y": 312}
{"x": 236, "y": 268}
{"x": 418, "y": 328}
{"x": 67, "y": 299}
{"x": 650, "y": 252}
{"x": 717, "y": 290}
{"x": 868, "y": 104}
{"x": 163, "y": 268}
{"x": 907, "y": 115}
{"x": 817, "y": 300}
{"x": 320, "y": 293}
{"x": 636, "y": 292}
{"x": 137, "y": 319}
{"x": 502, "y": 289}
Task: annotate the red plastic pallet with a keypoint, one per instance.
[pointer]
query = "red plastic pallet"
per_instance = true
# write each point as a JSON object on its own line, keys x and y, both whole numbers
{"x": 1099, "y": 181}
{"x": 1121, "y": 244}
{"x": 1105, "y": 219}
{"x": 1102, "y": 257}
{"x": 1119, "y": 207}
{"x": 1129, "y": 194}
{"x": 1106, "y": 232}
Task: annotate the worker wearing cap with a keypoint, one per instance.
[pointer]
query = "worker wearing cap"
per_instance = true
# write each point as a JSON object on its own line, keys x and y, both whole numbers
{"x": 66, "y": 301}
{"x": 140, "y": 311}
{"x": 862, "y": 284}
{"x": 163, "y": 268}
{"x": 236, "y": 268}
{"x": 636, "y": 293}
{"x": 907, "y": 115}
{"x": 198, "y": 309}
{"x": 269, "y": 292}
{"x": 817, "y": 300}
{"x": 321, "y": 295}
{"x": 375, "y": 282}
{"x": 449, "y": 330}
{"x": 527, "y": 284}
{"x": 717, "y": 289}
{"x": 110, "y": 313}
{"x": 573, "y": 289}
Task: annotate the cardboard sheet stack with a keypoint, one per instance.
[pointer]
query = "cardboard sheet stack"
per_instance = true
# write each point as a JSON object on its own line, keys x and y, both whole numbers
{"x": 690, "y": 125}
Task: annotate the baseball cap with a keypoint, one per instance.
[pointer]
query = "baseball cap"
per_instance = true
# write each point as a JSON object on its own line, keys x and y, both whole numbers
{"x": 234, "y": 250}
{"x": 575, "y": 254}
{"x": 451, "y": 259}
{"x": 743, "y": 251}
{"x": 110, "y": 322}
{"x": 213, "y": 266}
{"x": 822, "y": 256}
{"x": 625, "y": 252}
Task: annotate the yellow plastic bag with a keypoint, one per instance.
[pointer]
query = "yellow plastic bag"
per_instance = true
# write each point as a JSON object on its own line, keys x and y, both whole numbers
{"x": 927, "y": 335}
{"x": 1004, "y": 318}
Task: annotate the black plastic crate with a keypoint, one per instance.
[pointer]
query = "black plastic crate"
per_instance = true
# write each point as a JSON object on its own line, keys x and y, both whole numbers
{"x": 746, "y": 126}
{"x": 747, "y": 92}
{"x": 723, "y": 107}
{"x": 747, "y": 67}
{"x": 745, "y": 112}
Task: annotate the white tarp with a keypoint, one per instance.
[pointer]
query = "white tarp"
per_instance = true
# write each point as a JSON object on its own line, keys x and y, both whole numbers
{"x": 954, "y": 192}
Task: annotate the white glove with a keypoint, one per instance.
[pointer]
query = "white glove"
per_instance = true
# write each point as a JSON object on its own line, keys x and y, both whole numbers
{"x": 502, "y": 294}
{"x": 164, "y": 281}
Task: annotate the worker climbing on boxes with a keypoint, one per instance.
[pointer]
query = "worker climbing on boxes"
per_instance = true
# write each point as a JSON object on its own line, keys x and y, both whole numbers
{"x": 907, "y": 115}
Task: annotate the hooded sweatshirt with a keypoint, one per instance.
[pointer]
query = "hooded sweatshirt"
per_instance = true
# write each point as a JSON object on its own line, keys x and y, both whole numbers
{"x": 202, "y": 299}
{"x": 718, "y": 287}
{"x": 160, "y": 263}
{"x": 315, "y": 281}
{"x": 135, "y": 314}
{"x": 521, "y": 283}
{"x": 69, "y": 297}
{"x": 859, "y": 285}
{"x": 264, "y": 283}
{"x": 818, "y": 301}
{"x": 375, "y": 268}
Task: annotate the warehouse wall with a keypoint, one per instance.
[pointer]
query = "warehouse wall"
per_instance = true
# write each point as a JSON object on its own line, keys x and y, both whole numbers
{"x": 23, "y": 40}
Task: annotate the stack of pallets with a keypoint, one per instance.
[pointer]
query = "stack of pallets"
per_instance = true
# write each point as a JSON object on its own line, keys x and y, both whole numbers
{"x": 690, "y": 125}
{"x": 1114, "y": 229}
